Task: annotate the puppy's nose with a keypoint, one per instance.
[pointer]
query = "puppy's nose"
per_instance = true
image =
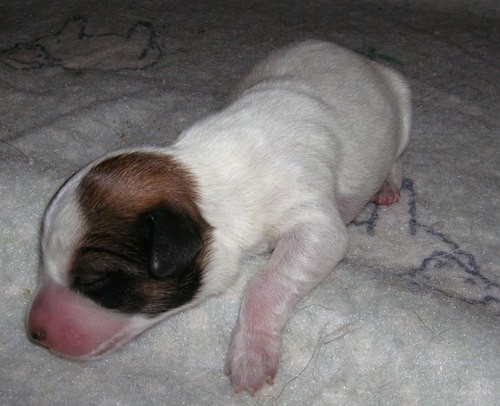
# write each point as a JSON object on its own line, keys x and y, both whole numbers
{"x": 38, "y": 335}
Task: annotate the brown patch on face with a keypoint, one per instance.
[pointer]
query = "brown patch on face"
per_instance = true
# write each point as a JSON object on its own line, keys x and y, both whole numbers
{"x": 112, "y": 265}
{"x": 132, "y": 183}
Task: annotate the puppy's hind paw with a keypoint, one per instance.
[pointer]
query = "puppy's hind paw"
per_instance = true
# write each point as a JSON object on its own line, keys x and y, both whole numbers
{"x": 253, "y": 360}
{"x": 387, "y": 195}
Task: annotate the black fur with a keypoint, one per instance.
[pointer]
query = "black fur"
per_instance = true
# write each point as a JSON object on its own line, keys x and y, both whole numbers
{"x": 173, "y": 243}
{"x": 145, "y": 265}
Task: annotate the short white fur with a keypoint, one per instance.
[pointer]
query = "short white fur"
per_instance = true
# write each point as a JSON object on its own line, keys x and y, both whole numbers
{"x": 309, "y": 138}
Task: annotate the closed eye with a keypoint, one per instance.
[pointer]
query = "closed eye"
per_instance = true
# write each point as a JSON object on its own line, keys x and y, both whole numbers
{"x": 90, "y": 282}
{"x": 106, "y": 290}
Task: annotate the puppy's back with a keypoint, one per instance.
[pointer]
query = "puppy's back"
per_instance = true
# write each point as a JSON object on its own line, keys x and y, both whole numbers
{"x": 368, "y": 104}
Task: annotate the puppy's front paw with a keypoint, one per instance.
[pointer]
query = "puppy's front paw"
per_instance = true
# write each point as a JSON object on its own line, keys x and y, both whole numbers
{"x": 253, "y": 359}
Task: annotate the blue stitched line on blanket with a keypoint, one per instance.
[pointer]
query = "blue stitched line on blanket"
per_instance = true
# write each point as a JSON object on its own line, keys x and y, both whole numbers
{"x": 438, "y": 259}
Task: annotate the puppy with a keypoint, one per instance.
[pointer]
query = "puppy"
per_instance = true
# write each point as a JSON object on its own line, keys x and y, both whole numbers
{"x": 313, "y": 133}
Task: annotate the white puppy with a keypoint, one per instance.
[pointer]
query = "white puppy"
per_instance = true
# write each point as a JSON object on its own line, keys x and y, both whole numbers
{"x": 313, "y": 134}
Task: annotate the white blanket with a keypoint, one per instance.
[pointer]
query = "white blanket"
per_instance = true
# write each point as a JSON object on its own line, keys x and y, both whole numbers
{"x": 410, "y": 317}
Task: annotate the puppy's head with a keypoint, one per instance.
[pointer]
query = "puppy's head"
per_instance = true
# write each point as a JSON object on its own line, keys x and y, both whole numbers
{"x": 123, "y": 244}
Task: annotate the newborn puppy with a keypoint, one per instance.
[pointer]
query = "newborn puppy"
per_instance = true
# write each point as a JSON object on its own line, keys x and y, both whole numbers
{"x": 311, "y": 136}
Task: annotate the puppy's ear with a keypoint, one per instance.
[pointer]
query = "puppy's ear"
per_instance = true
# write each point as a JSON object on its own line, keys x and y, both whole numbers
{"x": 174, "y": 240}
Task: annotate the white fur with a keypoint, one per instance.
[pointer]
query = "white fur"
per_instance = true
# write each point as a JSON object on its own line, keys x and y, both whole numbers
{"x": 61, "y": 231}
{"x": 320, "y": 124}
{"x": 311, "y": 136}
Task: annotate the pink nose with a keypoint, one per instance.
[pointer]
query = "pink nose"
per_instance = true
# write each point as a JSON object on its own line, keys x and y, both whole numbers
{"x": 38, "y": 335}
{"x": 73, "y": 326}
{"x": 36, "y": 332}
{"x": 52, "y": 321}
{"x": 37, "y": 317}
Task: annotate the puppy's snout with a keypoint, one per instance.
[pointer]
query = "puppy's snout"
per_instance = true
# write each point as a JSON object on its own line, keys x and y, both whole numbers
{"x": 73, "y": 326}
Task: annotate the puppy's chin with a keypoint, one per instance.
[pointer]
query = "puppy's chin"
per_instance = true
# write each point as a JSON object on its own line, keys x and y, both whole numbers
{"x": 74, "y": 327}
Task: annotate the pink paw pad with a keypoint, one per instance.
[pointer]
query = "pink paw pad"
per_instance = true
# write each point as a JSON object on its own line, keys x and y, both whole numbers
{"x": 387, "y": 195}
{"x": 253, "y": 361}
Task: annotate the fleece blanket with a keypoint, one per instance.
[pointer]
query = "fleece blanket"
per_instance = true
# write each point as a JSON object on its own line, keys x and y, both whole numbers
{"x": 410, "y": 317}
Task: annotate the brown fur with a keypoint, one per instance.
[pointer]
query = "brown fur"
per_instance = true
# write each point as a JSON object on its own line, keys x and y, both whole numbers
{"x": 133, "y": 183}
{"x": 113, "y": 195}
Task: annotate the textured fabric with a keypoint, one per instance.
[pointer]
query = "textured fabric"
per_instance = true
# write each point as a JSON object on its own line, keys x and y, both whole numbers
{"x": 409, "y": 317}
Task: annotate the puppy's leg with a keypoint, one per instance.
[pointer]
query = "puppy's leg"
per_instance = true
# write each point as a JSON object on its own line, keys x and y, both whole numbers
{"x": 301, "y": 259}
{"x": 389, "y": 191}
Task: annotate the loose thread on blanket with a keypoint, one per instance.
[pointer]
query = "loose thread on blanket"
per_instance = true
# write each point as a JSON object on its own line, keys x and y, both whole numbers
{"x": 17, "y": 149}
{"x": 316, "y": 348}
